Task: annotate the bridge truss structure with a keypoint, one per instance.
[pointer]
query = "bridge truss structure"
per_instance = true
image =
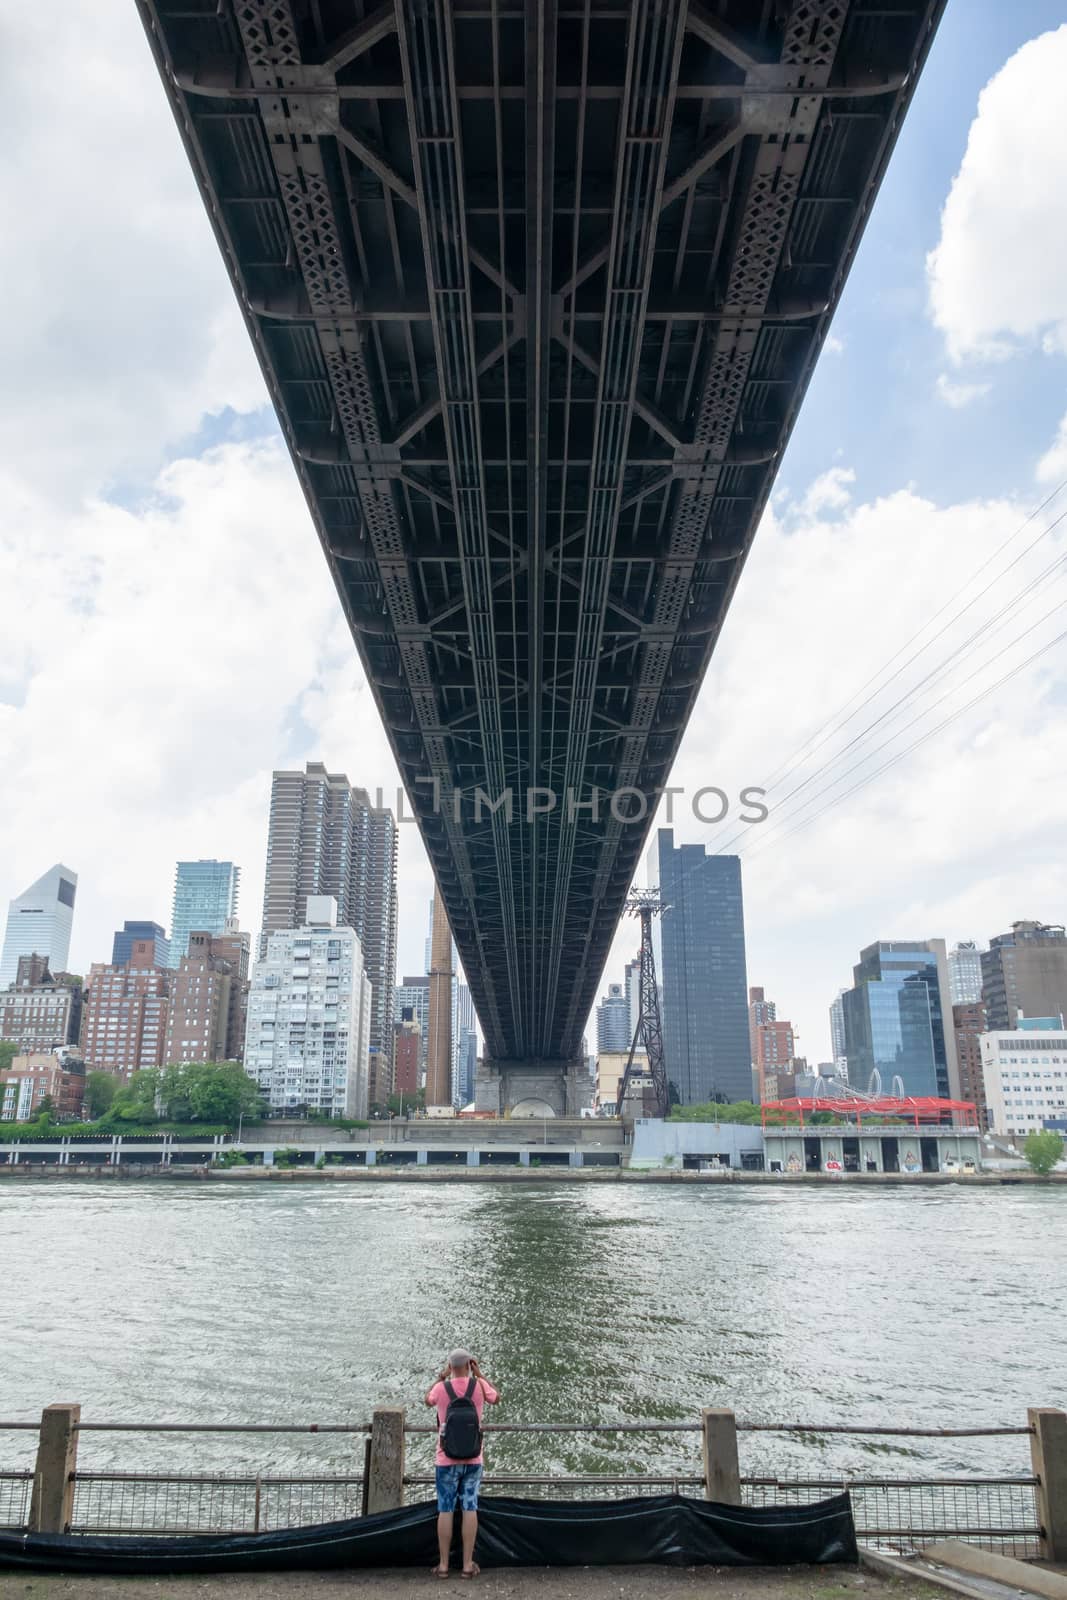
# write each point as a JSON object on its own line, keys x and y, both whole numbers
{"x": 537, "y": 287}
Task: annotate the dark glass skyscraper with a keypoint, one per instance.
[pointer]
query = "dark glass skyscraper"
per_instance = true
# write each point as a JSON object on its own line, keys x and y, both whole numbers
{"x": 898, "y": 1019}
{"x": 702, "y": 973}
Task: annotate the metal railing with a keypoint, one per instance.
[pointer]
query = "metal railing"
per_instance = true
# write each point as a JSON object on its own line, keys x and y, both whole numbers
{"x": 15, "y": 1488}
{"x": 147, "y": 1503}
{"x": 1002, "y": 1513}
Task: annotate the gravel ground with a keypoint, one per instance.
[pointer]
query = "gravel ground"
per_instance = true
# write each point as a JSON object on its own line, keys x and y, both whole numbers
{"x": 553, "y": 1583}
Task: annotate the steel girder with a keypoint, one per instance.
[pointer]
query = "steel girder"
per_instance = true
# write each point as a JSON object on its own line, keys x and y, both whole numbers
{"x": 537, "y": 286}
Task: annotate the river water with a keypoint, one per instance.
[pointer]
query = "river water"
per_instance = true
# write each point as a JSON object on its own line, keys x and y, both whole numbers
{"x": 310, "y": 1303}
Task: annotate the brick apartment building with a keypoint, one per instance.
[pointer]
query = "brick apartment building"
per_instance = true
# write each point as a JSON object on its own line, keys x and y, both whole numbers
{"x": 773, "y": 1046}
{"x": 208, "y": 1008}
{"x": 37, "y": 1075}
{"x": 41, "y": 1011}
{"x": 969, "y": 1022}
{"x": 126, "y": 1011}
{"x": 408, "y": 1050}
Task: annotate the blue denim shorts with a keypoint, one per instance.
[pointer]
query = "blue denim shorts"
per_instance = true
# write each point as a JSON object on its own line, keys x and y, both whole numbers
{"x": 458, "y": 1483}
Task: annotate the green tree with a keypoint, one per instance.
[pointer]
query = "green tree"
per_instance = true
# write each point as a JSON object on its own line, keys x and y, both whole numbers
{"x": 100, "y": 1091}
{"x": 8, "y": 1051}
{"x": 220, "y": 1091}
{"x": 135, "y": 1101}
{"x": 407, "y": 1102}
{"x": 207, "y": 1091}
{"x": 46, "y": 1111}
{"x": 1043, "y": 1150}
{"x": 743, "y": 1112}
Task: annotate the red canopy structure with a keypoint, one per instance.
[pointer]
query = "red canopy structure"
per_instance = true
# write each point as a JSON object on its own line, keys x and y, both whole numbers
{"x": 922, "y": 1109}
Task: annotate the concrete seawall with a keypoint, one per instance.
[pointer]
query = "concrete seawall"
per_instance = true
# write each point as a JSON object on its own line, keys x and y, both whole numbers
{"x": 133, "y": 1172}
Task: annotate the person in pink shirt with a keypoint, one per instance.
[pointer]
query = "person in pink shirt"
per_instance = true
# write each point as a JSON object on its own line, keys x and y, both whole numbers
{"x": 460, "y": 1387}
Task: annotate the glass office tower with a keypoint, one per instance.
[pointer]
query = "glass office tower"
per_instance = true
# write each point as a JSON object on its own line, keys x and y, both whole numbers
{"x": 39, "y": 921}
{"x": 702, "y": 974}
{"x": 205, "y": 898}
{"x": 895, "y": 1019}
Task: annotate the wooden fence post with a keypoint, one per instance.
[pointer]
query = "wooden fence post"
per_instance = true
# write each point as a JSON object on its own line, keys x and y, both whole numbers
{"x": 52, "y": 1499}
{"x": 1048, "y": 1453}
{"x": 385, "y": 1479}
{"x": 722, "y": 1474}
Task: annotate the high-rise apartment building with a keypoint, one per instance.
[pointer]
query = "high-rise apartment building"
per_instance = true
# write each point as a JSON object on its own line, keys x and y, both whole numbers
{"x": 965, "y": 973}
{"x": 122, "y": 943}
{"x": 772, "y": 1044}
{"x": 837, "y": 1033}
{"x": 969, "y": 1024}
{"x": 467, "y": 1069}
{"x": 463, "y": 1029}
{"x": 209, "y": 999}
{"x": 702, "y": 973}
{"x": 632, "y": 985}
{"x": 898, "y": 1020}
{"x": 1024, "y": 974}
{"x": 125, "y": 1020}
{"x": 326, "y": 838}
{"x": 613, "y": 1020}
{"x": 205, "y": 901}
{"x": 307, "y": 1043}
{"x": 39, "y": 921}
{"x": 41, "y": 1011}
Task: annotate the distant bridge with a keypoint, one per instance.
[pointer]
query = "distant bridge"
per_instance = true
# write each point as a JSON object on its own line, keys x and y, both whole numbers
{"x": 537, "y": 287}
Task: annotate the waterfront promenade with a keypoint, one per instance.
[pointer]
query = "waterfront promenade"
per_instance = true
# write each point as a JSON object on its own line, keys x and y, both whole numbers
{"x": 552, "y": 1583}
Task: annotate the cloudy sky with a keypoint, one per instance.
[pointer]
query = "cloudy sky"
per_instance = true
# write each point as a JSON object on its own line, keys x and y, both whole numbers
{"x": 892, "y": 661}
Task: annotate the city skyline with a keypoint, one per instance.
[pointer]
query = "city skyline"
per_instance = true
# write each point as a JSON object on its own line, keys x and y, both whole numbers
{"x": 930, "y": 429}
{"x": 969, "y": 950}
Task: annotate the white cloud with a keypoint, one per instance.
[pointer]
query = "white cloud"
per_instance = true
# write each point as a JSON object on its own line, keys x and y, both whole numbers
{"x": 996, "y": 275}
{"x": 166, "y": 660}
{"x": 833, "y": 345}
{"x": 1052, "y": 467}
{"x": 959, "y": 395}
{"x": 120, "y": 328}
{"x": 828, "y": 492}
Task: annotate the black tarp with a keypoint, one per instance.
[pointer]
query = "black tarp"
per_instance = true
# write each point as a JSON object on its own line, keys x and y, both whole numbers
{"x": 671, "y": 1530}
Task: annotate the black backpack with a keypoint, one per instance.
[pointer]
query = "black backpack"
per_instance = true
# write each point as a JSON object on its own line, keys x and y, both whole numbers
{"x": 461, "y": 1436}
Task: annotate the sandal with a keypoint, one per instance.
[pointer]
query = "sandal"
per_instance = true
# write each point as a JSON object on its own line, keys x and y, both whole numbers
{"x": 440, "y": 1572}
{"x": 473, "y": 1573}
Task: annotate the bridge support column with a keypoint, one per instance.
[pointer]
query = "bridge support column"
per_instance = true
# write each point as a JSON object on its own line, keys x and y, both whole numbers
{"x": 474, "y": 1158}
{"x": 422, "y": 1158}
{"x": 532, "y": 1088}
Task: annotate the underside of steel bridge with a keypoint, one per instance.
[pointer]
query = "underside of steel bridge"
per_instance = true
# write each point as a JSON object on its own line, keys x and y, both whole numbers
{"x": 537, "y": 287}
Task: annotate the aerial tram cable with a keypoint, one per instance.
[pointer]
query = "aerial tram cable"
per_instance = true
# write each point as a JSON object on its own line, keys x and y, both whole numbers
{"x": 1022, "y": 665}
{"x": 837, "y": 721}
{"x": 788, "y": 764}
{"x": 984, "y": 632}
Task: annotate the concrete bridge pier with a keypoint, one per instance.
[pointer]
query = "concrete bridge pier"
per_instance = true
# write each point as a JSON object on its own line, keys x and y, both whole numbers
{"x": 532, "y": 1088}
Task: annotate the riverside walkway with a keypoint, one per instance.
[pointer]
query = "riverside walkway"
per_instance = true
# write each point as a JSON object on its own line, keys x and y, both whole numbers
{"x": 550, "y": 1583}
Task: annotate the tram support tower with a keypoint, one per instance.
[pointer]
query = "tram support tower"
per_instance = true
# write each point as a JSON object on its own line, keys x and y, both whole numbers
{"x": 646, "y": 904}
